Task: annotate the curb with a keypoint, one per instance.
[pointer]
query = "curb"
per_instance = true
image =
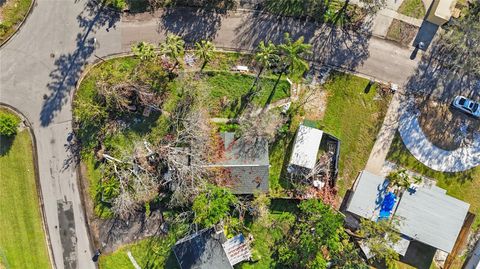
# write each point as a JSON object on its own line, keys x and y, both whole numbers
{"x": 37, "y": 178}
{"x": 30, "y": 9}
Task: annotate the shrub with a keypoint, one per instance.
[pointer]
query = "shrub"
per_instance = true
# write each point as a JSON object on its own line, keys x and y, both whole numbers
{"x": 8, "y": 124}
{"x": 118, "y": 4}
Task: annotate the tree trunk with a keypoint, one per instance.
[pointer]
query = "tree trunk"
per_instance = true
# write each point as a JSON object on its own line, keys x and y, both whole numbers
{"x": 257, "y": 78}
{"x": 203, "y": 66}
{"x": 272, "y": 93}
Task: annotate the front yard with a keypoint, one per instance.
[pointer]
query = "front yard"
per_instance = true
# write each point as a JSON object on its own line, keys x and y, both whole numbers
{"x": 22, "y": 239}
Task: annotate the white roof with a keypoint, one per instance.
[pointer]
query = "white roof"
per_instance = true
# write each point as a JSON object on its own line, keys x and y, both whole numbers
{"x": 369, "y": 191}
{"x": 305, "y": 149}
{"x": 444, "y": 9}
{"x": 431, "y": 217}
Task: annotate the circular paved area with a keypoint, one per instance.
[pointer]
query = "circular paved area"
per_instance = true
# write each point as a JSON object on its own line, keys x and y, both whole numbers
{"x": 463, "y": 158}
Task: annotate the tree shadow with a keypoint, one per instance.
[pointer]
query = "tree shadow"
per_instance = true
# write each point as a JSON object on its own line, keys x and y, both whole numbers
{"x": 70, "y": 66}
{"x": 6, "y": 143}
{"x": 192, "y": 24}
{"x": 342, "y": 46}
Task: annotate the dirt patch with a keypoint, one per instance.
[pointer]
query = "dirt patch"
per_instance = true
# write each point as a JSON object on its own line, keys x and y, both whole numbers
{"x": 402, "y": 32}
{"x": 109, "y": 234}
{"x": 316, "y": 104}
{"x": 445, "y": 127}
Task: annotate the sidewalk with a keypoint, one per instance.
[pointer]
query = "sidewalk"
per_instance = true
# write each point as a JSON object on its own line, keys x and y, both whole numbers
{"x": 385, "y": 135}
{"x": 384, "y": 17}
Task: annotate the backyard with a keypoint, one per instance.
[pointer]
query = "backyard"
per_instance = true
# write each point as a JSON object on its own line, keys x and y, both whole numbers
{"x": 22, "y": 239}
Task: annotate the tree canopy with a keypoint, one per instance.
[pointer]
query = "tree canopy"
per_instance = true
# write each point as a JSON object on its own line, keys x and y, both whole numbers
{"x": 212, "y": 205}
{"x": 316, "y": 238}
{"x": 8, "y": 124}
{"x": 459, "y": 47}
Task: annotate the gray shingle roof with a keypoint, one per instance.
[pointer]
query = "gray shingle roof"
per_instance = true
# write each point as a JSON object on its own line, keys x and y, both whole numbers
{"x": 431, "y": 217}
{"x": 202, "y": 250}
{"x": 248, "y": 164}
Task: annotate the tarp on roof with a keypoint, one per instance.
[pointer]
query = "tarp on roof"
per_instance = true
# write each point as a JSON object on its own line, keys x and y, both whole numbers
{"x": 305, "y": 148}
{"x": 431, "y": 217}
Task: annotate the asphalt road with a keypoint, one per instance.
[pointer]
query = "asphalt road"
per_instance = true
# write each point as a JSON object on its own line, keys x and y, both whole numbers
{"x": 40, "y": 66}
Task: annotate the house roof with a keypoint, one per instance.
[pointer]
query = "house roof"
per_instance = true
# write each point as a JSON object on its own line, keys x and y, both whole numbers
{"x": 369, "y": 191}
{"x": 202, "y": 250}
{"x": 305, "y": 148}
{"x": 247, "y": 163}
{"x": 427, "y": 215}
{"x": 431, "y": 217}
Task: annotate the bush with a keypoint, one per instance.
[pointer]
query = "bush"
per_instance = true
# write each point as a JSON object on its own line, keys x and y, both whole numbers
{"x": 118, "y": 4}
{"x": 8, "y": 124}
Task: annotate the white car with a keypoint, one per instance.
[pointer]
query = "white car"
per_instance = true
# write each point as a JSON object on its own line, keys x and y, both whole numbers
{"x": 466, "y": 105}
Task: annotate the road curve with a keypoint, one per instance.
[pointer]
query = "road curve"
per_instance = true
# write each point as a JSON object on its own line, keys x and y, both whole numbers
{"x": 40, "y": 66}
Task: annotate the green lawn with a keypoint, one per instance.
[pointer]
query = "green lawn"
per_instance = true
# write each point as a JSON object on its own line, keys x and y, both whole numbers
{"x": 354, "y": 117}
{"x": 22, "y": 239}
{"x": 463, "y": 185}
{"x": 12, "y": 13}
{"x": 412, "y": 8}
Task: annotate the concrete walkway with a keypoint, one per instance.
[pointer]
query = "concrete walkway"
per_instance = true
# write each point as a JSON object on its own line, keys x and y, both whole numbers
{"x": 461, "y": 159}
{"x": 385, "y": 136}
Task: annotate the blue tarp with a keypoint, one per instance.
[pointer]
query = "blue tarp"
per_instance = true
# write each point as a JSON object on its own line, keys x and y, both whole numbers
{"x": 389, "y": 201}
{"x": 387, "y": 206}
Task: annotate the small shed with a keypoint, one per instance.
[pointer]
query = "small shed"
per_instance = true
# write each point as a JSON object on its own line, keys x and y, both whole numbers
{"x": 305, "y": 149}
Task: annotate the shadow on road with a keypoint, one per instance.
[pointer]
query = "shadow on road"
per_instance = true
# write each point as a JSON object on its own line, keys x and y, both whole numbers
{"x": 338, "y": 46}
{"x": 69, "y": 66}
{"x": 193, "y": 24}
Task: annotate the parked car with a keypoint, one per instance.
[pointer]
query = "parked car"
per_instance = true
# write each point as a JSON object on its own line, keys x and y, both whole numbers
{"x": 467, "y": 105}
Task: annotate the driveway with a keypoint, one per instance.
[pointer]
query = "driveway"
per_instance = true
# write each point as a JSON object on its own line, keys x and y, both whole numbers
{"x": 40, "y": 66}
{"x": 460, "y": 159}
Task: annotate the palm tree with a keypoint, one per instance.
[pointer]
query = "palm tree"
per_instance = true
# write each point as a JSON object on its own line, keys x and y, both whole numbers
{"x": 143, "y": 50}
{"x": 204, "y": 50}
{"x": 291, "y": 59}
{"x": 266, "y": 55}
{"x": 293, "y": 51}
{"x": 173, "y": 47}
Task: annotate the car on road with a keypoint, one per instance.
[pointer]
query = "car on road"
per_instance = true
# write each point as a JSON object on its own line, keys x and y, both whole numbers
{"x": 467, "y": 105}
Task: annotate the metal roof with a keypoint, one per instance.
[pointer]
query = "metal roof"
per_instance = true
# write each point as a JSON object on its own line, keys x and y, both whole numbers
{"x": 431, "y": 217}
{"x": 305, "y": 148}
{"x": 369, "y": 191}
